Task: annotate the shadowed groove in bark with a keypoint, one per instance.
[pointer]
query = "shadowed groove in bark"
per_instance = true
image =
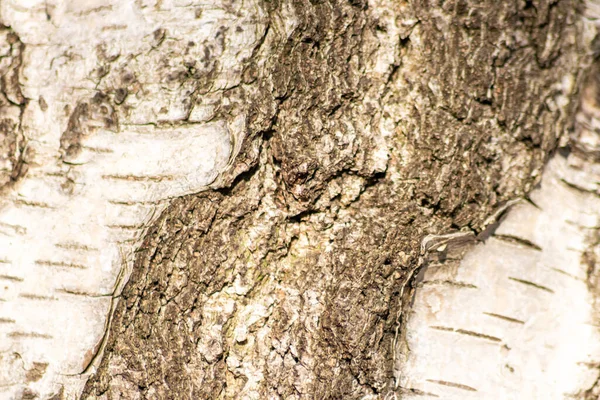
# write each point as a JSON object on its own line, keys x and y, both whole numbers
{"x": 233, "y": 294}
{"x": 591, "y": 257}
{"x": 13, "y": 145}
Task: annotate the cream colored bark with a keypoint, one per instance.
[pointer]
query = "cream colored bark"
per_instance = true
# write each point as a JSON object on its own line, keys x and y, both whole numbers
{"x": 68, "y": 229}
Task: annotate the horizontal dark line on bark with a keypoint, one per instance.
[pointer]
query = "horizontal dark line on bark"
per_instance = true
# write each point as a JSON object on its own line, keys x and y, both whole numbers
{"x": 574, "y": 250}
{"x": 570, "y": 222}
{"x": 453, "y": 384}
{"x": 451, "y": 283}
{"x": 588, "y": 364}
{"x": 48, "y": 263}
{"x": 479, "y": 335}
{"x": 114, "y": 27}
{"x": 99, "y": 150}
{"x": 517, "y": 240}
{"x": 35, "y": 204}
{"x": 137, "y": 178}
{"x": 34, "y": 335}
{"x": 94, "y": 10}
{"x": 130, "y": 240}
{"x": 467, "y": 332}
{"x": 531, "y": 284}
{"x": 75, "y": 246}
{"x": 580, "y": 188}
{"x": 125, "y": 227}
{"x": 505, "y": 318}
{"x": 442, "y": 328}
{"x": 161, "y": 124}
{"x": 7, "y": 321}
{"x": 417, "y": 392}
{"x": 11, "y": 278}
{"x": 132, "y": 203}
{"x": 32, "y": 296}
{"x": 55, "y": 174}
{"x": 80, "y": 293}
{"x": 560, "y": 271}
{"x": 18, "y": 229}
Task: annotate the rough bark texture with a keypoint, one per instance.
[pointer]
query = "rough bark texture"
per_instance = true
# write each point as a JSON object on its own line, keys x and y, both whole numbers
{"x": 369, "y": 125}
{"x": 13, "y": 158}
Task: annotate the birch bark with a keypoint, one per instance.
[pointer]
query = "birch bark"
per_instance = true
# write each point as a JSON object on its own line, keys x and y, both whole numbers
{"x": 237, "y": 199}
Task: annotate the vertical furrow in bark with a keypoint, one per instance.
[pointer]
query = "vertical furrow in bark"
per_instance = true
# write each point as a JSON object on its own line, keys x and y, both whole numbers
{"x": 13, "y": 145}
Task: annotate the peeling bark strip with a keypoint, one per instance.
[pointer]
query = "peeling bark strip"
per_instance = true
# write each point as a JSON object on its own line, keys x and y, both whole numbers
{"x": 369, "y": 125}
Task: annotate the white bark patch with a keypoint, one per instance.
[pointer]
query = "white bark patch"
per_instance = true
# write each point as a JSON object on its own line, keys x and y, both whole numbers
{"x": 516, "y": 319}
{"x": 68, "y": 229}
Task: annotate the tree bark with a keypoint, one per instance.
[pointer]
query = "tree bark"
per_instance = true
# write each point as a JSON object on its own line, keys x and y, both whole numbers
{"x": 305, "y": 160}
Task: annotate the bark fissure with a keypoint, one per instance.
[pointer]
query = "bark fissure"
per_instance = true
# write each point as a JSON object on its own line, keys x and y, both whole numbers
{"x": 289, "y": 282}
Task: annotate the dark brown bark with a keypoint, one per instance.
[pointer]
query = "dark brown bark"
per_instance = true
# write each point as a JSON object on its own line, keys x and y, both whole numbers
{"x": 13, "y": 152}
{"x": 292, "y": 273}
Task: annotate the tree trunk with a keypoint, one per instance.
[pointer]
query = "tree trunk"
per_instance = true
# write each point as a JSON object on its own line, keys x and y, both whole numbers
{"x": 270, "y": 199}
